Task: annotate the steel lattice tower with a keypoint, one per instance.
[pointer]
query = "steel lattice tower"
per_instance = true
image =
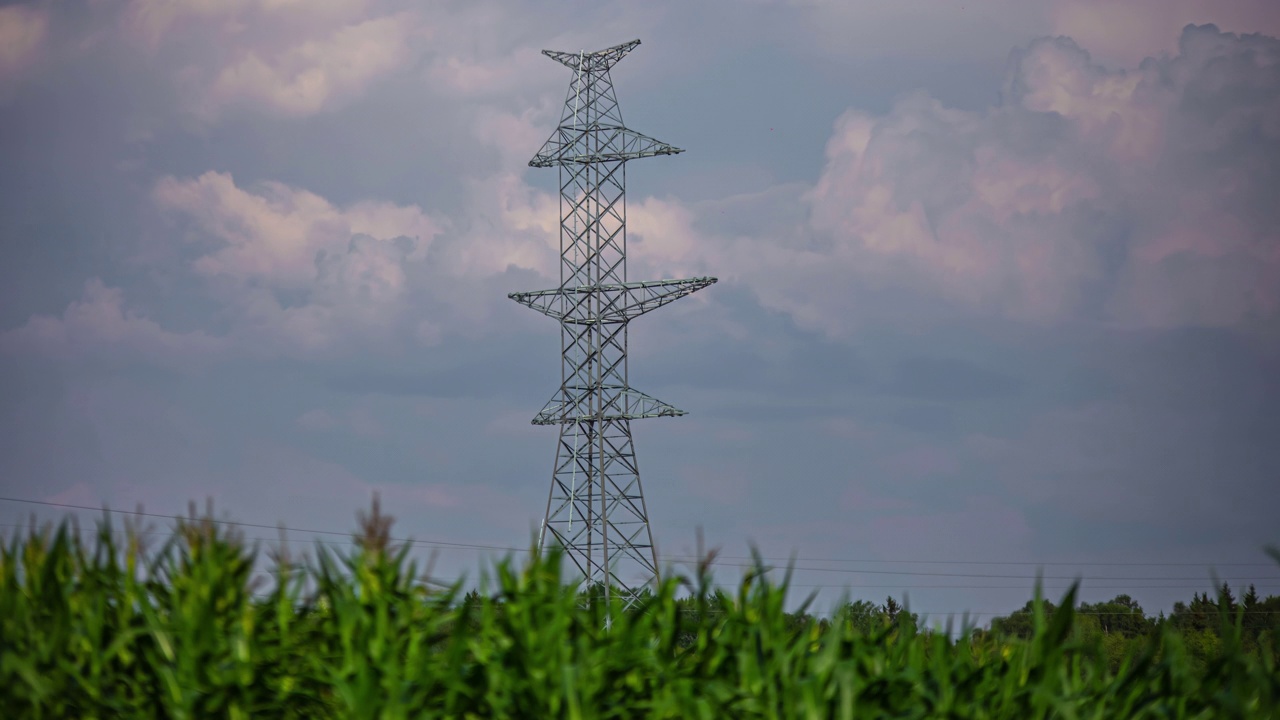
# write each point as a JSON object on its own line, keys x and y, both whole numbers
{"x": 596, "y": 509}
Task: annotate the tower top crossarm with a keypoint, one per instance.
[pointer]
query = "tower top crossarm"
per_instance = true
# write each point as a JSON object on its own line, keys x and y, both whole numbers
{"x": 595, "y": 61}
{"x": 591, "y": 128}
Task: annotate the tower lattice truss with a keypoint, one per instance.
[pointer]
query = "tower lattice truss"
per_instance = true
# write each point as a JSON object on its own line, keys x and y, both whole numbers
{"x": 596, "y": 509}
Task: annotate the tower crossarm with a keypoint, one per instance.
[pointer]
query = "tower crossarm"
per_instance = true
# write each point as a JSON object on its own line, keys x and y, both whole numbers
{"x": 573, "y": 404}
{"x": 595, "y": 61}
{"x": 596, "y": 144}
{"x": 617, "y": 303}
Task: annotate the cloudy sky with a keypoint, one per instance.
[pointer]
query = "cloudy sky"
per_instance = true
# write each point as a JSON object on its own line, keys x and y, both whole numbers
{"x": 999, "y": 280}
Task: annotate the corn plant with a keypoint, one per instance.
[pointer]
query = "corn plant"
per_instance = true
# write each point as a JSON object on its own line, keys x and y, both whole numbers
{"x": 109, "y": 628}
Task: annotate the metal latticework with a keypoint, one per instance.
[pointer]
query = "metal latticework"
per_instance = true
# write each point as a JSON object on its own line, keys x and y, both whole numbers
{"x": 596, "y": 507}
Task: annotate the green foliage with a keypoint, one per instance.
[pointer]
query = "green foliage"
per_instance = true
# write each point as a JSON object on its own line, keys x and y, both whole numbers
{"x": 106, "y": 630}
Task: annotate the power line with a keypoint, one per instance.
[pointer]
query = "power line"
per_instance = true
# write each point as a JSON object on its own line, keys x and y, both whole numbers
{"x": 984, "y": 575}
{"x": 859, "y": 586}
{"x": 1092, "y": 587}
{"x": 446, "y": 545}
{"x": 1143, "y": 616}
{"x": 1077, "y": 612}
{"x": 255, "y": 538}
{"x": 431, "y": 543}
{"x": 1000, "y": 562}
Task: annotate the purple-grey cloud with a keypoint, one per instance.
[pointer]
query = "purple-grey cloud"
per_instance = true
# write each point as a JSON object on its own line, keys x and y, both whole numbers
{"x": 23, "y": 29}
{"x": 1127, "y": 33}
{"x": 1135, "y": 196}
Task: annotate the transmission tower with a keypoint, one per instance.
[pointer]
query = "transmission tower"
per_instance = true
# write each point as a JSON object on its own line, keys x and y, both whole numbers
{"x": 596, "y": 509}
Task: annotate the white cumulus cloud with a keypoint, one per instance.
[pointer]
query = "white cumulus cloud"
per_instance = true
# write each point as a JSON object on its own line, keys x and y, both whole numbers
{"x": 1143, "y": 196}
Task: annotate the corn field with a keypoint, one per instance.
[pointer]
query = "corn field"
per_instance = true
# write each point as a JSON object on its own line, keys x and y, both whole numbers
{"x": 109, "y": 628}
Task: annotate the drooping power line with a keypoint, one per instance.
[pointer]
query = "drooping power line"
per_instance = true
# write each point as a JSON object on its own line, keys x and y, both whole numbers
{"x": 448, "y": 545}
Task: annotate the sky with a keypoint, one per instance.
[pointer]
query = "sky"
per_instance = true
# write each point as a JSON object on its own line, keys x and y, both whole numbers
{"x": 999, "y": 280}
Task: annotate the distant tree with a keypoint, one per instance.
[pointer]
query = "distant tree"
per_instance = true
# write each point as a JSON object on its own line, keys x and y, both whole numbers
{"x": 1122, "y": 614}
{"x": 1200, "y": 615}
{"x": 1259, "y": 616}
{"x": 798, "y": 621}
{"x": 863, "y": 615}
{"x": 1226, "y": 600}
{"x": 891, "y": 608}
{"x": 896, "y": 614}
{"x": 1202, "y": 645}
{"x": 1020, "y": 623}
